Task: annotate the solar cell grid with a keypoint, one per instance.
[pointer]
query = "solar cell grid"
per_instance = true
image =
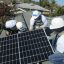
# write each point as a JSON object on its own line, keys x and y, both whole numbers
{"x": 25, "y": 48}
{"x": 9, "y": 50}
{"x": 33, "y": 45}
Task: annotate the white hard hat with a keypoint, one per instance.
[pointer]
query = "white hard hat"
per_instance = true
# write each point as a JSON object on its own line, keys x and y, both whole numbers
{"x": 10, "y": 23}
{"x": 56, "y": 23}
{"x": 36, "y": 13}
{"x": 19, "y": 25}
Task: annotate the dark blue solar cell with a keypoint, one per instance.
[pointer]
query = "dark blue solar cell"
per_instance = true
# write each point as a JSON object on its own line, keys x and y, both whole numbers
{"x": 42, "y": 57}
{"x": 11, "y": 52}
{"x": 14, "y": 62}
{"x": 32, "y": 58}
{"x": 27, "y": 48}
{"x": 31, "y": 37}
{"x": 31, "y": 52}
{"x": 16, "y": 50}
{"x": 7, "y": 62}
{"x": 4, "y": 43}
{"x": 27, "y": 33}
{"x": 40, "y": 50}
{"x": 17, "y": 56}
{"x": 34, "y": 52}
{"x": 30, "y": 47}
{"x": 22, "y": 61}
{"x": 29, "y": 42}
{"x": 14, "y": 40}
{"x": 27, "y": 37}
{"x": 24, "y": 54}
{"x": 42, "y": 44}
{"x": 4, "y": 53}
{"x": 47, "y": 49}
{"x": 36, "y": 46}
{"x": 37, "y": 40}
{"x": 23, "y": 48}
{"x": 4, "y": 59}
{"x": 21, "y": 55}
{"x": 4, "y": 48}
{"x": 37, "y": 51}
{"x": 35, "y": 58}
{"x": 33, "y": 47}
{"x": 29, "y": 59}
{"x": 25, "y": 43}
{"x": 17, "y": 61}
{"x": 8, "y": 46}
{"x": 39, "y": 45}
{"x": 28, "y": 53}
{"x": 20, "y": 39}
{"x": 16, "y": 45}
{"x": 11, "y": 57}
{"x": 40, "y": 39}
{"x": 39, "y": 57}
{"x": 25, "y": 60}
{"x": 46, "y": 55}
{"x": 22, "y": 43}
{"x": 7, "y": 58}
{"x": 35, "y": 35}
{"x": 43, "y": 49}
{"x": 14, "y": 56}
{"x": 34, "y": 41}
{"x": 11, "y": 62}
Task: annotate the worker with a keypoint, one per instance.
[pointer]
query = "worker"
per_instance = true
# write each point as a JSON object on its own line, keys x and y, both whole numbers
{"x": 37, "y": 16}
{"x": 12, "y": 27}
{"x": 57, "y": 25}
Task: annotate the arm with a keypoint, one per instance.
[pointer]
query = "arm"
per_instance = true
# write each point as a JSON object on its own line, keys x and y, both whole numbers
{"x": 32, "y": 21}
{"x": 60, "y": 44}
{"x": 44, "y": 20}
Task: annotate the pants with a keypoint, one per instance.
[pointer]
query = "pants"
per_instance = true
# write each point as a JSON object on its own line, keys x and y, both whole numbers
{"x": 57, "y": 58}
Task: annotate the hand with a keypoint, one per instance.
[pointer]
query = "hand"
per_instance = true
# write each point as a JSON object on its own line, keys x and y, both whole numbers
{"x": 42, "y": 26}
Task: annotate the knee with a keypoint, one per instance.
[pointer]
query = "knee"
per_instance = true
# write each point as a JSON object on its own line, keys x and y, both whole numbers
{"x": 50, "y": 58}
{"x": 56, "y": 57}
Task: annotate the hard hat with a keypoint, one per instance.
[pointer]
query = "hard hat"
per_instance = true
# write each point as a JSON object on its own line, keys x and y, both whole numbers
{"x": 56, "y": 23}
{"x": 19, "y": 25}
{"x": 36, "y": 13}
{"x": 10, "y": 23}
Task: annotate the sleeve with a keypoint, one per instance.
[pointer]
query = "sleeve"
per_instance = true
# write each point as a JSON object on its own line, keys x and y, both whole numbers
{"x": 44, "y": 20}
{"x": 60, "y": 44}
{"x": 32, "y": 21}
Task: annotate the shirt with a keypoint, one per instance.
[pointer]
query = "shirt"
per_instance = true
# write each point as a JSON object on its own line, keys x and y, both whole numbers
{"x": 60, "y": 44}
{"x": 32, "y": 21}
{"x": 10, "y": 23}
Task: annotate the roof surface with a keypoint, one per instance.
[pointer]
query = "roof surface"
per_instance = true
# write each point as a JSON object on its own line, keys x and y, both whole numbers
{"x": 31, "y": 6}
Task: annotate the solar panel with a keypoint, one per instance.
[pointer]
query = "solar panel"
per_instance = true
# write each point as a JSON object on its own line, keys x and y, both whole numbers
{"x": 25, "y": 48}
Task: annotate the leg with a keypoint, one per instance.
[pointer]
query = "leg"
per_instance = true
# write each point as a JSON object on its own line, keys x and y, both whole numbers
{"x": 57, "y": 58}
